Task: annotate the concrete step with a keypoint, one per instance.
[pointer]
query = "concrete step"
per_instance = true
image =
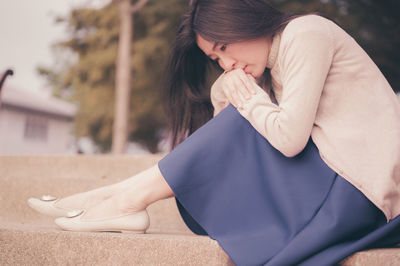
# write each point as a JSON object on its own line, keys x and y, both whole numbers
{"x": 164, "y": 214}
{"x": 65, "y": 175}
{"x": 29, "y": 238}
{"x": 33, "y": 244}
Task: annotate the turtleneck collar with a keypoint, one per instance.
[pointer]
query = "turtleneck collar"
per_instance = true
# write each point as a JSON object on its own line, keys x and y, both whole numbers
{"x": 273, "y": 53}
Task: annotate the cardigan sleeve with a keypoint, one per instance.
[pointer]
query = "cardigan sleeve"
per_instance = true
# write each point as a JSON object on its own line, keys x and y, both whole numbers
{"x": 304, "y": 60}
{"x": 218, "y": 98}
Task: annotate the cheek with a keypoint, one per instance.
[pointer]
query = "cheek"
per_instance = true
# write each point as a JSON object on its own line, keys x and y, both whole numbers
{"x": 260, "y": 66}
{"x": 262, "y": 58}
{"x": 256, "y": 55}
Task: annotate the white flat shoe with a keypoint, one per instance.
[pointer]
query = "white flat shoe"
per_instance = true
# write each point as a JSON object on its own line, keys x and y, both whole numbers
{"x": 46, "y": 205}
{"x": 136, "y": 222}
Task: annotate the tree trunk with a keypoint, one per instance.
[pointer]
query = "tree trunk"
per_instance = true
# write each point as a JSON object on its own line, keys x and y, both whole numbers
{"x": 123, "y": 74}
{"x": 122, "y": 80}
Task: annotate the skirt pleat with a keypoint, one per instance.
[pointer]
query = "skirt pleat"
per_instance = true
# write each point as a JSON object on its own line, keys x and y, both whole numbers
{"x": 264, "y": 208}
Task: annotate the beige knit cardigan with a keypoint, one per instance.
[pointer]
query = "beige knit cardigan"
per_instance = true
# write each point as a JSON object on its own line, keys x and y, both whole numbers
{"x": 328, "y": 88}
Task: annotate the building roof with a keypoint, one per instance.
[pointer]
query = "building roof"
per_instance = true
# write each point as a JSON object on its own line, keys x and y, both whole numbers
{"x": 32, "y": 101}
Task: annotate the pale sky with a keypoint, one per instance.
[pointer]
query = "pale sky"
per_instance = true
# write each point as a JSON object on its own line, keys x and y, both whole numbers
{"x": 27, "y": 31}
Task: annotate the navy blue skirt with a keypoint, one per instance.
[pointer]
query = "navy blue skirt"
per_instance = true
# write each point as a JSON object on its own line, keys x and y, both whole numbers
{"x": 264, "y": 208}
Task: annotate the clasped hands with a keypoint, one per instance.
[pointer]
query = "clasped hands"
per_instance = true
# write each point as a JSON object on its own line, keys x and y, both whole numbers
{"x": 235, "y": 87}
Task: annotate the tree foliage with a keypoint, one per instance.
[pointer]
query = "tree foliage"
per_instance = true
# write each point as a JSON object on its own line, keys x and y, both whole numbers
{"x": 93, "y": 36}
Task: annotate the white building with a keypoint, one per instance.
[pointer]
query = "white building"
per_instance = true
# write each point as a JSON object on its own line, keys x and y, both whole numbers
{"x": 34, "y": 124}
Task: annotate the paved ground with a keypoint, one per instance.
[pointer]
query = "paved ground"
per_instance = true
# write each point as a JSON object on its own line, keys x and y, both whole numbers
{"x": 29, "y": 238}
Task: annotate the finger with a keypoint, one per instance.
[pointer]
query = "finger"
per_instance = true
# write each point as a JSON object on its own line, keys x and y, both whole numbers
{"x": 236, "y": 83}
{"x": 235, "y": 89}
{"x": 229, "y": 96}
{"x": 239, "y": 98}
{"x": 236, "y": 94}
{"x": 251, "y": 78}
{"x": 241, "y": 87}
{"x": 247, "y": 82}
{"x": 243, "y": 91}
{"x": 240, "y": 83}
{"x": 253, "y": 82}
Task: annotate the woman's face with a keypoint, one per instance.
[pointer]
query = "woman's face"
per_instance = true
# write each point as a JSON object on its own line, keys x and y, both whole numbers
{"x": 251, "y": 56}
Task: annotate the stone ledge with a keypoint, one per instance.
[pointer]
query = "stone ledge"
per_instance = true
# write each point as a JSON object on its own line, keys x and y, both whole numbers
{"x": 26, "y": 238}
{"x": 96, "y": 167}
{"x": 26, "y": 245}
{"x": 39, "y": 243}
{"x": 374, "y": 257}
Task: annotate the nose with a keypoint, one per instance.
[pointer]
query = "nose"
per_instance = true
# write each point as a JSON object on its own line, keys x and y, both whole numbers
{"x": 227, "y": 63}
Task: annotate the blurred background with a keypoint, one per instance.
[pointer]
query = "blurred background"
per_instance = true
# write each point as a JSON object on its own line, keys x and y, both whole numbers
{"x": 67, "y": 73}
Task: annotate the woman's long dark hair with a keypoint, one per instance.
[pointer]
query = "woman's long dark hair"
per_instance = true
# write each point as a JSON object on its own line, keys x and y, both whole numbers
{"x": 187, "y": 99}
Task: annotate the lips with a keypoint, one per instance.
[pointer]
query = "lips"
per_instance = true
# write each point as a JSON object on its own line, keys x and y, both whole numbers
{"x": 246, "y": 70}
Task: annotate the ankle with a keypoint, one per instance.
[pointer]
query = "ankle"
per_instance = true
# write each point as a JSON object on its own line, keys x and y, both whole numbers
{"x": 126, "y": 203}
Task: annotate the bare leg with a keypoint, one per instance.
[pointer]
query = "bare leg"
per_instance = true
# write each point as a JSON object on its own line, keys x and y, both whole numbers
{"x": 137, "y": 193}
{"x": 88, "y": 199}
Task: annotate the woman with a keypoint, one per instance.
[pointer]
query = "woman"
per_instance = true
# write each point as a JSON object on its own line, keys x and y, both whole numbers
{"x": 251, "y": 177}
